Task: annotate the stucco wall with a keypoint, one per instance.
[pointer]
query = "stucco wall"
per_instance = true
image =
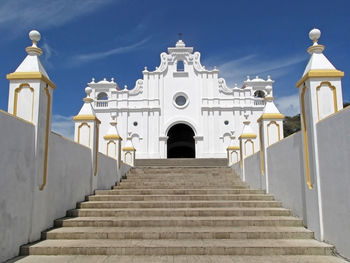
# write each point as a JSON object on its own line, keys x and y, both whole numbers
{"x": 252, "y": 171}
{"x": 334, "y": 157}
{"x": 285, "y": 171}
{"x": 25, "y": 211}
{"x": 16, "y": 183}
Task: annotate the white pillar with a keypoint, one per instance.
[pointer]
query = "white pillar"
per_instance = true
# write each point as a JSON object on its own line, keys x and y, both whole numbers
{"x": 246, "y": 144}
{"x": 233, "y": 151}
{"x": 30, "y": 98}
{"x": 270, "y": 132}
{"x": 86, "y": 131}
{"x": 113, "y": 139}
{"x": 129, "y": 151}
{"x": 320, "y": 96}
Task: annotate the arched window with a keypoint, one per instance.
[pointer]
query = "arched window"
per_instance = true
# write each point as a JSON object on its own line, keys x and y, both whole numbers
{"x": 259, "y": 94}
{"x": 180, "y": 66}
{"x": 102, "y": 96}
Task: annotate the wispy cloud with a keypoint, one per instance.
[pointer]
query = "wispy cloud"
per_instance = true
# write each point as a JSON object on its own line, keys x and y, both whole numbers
{"x": 99, "y": 55}
{"x": 63, "y": 125}
{"x": 288, "y": 105}
{"x": 236, "y": 70}
{"x": 22, "y": 14}
{"x": 48, "y": 53}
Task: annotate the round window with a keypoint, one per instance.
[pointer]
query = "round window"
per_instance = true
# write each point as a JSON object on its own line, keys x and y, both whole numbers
{"x": 180, "y": 100}
{"x": 135, "y": 123}
{"x": 226, "y": 122}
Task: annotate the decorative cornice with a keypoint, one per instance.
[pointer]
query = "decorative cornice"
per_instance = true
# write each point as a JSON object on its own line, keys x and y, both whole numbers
{"x": 86, "y": 118}
{"x": 112, "y": 137}
{"x": 31, "y": 75}
{"x": 274, "y": 116}
{"x": 320, "y": 73}
{"x": 247, "y": 136}
{"x": 232, "y": 148}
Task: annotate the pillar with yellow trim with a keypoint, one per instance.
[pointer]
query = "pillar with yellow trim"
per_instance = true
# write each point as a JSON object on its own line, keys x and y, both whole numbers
{"x": 320, "y": 95}
{"x": 233, "y": 153}
{"x": 30, "y": 98}
{"x": 113, "y": 141}
{"x": 86, "y": 130}
{"x": 247, "y": 144}
{"x": 270, "y": 131}
{"x": 129, "y": 151}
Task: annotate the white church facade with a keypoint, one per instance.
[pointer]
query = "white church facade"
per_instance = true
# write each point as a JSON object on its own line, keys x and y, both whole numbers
{"x": 181, "y": 109}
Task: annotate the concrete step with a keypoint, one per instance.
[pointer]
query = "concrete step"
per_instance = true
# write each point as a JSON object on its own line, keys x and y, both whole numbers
{"x": 174, "y": 185}
{"x": 177, "y": 204}
{"x": 178, "y": 247}
{"x": 182, "y": 162}
{"x": 261, "y": 197}
{"x": 188, "y": 221}
{"x": 179, "y": 233}
{"x": 178, "y": 259}
{"x": 118, "y": 191}
{"x": 190, "y": 178}
{"x": 203, "y": 212}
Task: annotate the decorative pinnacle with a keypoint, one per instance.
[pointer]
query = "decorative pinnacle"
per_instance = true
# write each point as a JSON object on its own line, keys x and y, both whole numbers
{"x": 246, "y": 122}
{"x": 88, "y": 99}
{"x": 232, "y": 135}
{"x": 35, "y": 38}
{"x": 314, "y": 35}
{"x": 113, "y": 122}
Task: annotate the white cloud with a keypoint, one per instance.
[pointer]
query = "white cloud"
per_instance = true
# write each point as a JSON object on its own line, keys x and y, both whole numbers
{"x": 48, "y": 53}
{"x": 236, "y": 70}
{"x": 288, "y": 105}
{"x": 63, "y": 125}
{"x": 22, "y": 14}
{"x": 119, "y": 50}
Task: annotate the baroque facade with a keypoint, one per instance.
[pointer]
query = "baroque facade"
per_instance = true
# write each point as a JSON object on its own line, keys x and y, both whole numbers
{"x": 181, "y": 109}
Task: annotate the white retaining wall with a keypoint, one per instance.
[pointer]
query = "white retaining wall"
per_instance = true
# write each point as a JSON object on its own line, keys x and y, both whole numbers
{"x": 25, "y": 210}
{"x": 334, "y": 155}
{"x": 287, "y": 180}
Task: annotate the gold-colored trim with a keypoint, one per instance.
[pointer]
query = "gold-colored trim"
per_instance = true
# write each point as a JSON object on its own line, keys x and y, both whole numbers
{"x": 34, "y": 49}
{"x": 245, "y": 147}
{"x": 268, "y": 132}
{"x": 112, "y": 137}
{"x": 247, "y": 136}
{"x": 129, "y": 149}
{"x": 115, "y": 152}
{"x": 79, "y": 127}
{"x": 237, "y": 156}
{"x": 16, "y": 117}
{"x": 306, "y": 147}
{"x": 46, "y": 149}
{"x": 276, "y": 116}
{"x": 319, "y": 73}
{"x": 262, "y": 163}
{"x": 231, "y": 148}
{"x": 84, "y": 117}
{"x": 15, "y": 103}
{"x": 96, "y": 147}
{"x": 31, "y": 75}
{"x": 334, "y": 91}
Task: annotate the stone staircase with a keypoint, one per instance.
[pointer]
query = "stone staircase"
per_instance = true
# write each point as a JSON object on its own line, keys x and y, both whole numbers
{"x": 179, "y": 214}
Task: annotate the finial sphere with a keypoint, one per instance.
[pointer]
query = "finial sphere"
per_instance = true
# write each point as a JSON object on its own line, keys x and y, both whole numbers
{"x": 88, "y": 91}
{"x": 34, "y": 36}
{"x": 315, "y": 34}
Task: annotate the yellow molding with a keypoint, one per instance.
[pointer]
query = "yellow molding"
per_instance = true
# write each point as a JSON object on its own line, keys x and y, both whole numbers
{"x": 15, "y": 103}
{"x": 275, "y": 116}
{"x": 268, "y": 131}
{"x": 232, "y": 148}
{"x": 129, "y": 149}
{"x": 84, "y": 117}
{"x": 320, "y": 73}
{"x": 334, "y": 93}
{"x": 112, "y": 137}
{"x": 247, "y": 136}
{"x": 31, "y": 75}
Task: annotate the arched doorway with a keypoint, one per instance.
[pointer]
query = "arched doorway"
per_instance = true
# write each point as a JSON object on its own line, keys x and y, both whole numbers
{"x": 180, "y": 142}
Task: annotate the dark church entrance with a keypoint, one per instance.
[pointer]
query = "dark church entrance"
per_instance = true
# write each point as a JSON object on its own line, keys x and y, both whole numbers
{"x": 181, "y": 142}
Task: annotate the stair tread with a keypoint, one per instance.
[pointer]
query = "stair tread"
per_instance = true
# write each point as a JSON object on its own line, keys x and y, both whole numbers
{"x": 250, "y": 229}
{"x": 178, "y": 259}
{"x": 181, "y": 243}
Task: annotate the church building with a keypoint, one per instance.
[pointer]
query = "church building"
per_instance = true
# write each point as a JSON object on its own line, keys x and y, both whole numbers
{"x": 181, "y": 109}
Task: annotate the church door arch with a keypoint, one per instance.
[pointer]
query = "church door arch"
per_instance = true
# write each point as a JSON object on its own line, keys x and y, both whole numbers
{"x": 180, "y": 143}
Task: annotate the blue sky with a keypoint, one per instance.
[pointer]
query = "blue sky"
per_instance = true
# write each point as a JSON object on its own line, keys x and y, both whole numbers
{"x": 82, "y": 39}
